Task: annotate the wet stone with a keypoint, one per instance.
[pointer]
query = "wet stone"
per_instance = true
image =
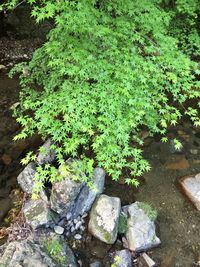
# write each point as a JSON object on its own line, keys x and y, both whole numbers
{"x": 78, "y": 225}
{"x": 191, "y": 188}
{"x": 69, "y": 216}
{"x": 123, "y": 258}
{"x": 78, "y": 236}
{"x": 59, "y": 230}
{"x": 141, "y": 234}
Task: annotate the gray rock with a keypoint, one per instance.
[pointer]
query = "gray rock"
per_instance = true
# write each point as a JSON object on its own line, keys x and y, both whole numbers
{"x": 38, "y": 214}
{"x": 123, "y": 258}
{"x": 25, "y": 253}
{"x": 68, "y": 216}
{"x": 75, "y": 221}
{"x": 88, "y": 195}
{"x": 78, "y": 236}
{"x": 82, "y": 228}
{"x": 31, "y": 253}
{"x": 66, "y": 256}
{"x": 64, "y": 193}
{"x": 48, "y": 155}
{"x": 72, "y": 229}
{"x": 104, "y": 217}
{"x": 194, "y": 151}
{"x": 78, "y": 225}
{"x": 95, "y": 264}
{"x": 191, "y": 188}
{"x": 84, "y": 215}
{"x": 141, "y": 233}
{"x": 59, "y": 230}
{"x": 26, "y": 178}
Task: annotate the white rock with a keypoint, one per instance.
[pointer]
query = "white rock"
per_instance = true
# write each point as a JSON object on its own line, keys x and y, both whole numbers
{"x": 141, "y": 233}
{"x": 104, "y": 217}
{"x": 59, "y": 230}
{"x": 78, "y": 236}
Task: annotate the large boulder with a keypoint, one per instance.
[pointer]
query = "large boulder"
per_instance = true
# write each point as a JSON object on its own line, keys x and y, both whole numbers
{"x": 87, "y": 195}
{"x": 64, "y": 193}
{"x": 25, "y": 253}
{"x": 104, "y": 217}
{"x": 51, "y": 252}
{"x": 141, "y": 233}
{"x": 46, "y": 155}
{"x": 26, "y": 178}
{"x": 123, "y": 258}
{"x": 57, "y": 248}
{"x": 191, "y": 188}
{"x": 38, "y": 214}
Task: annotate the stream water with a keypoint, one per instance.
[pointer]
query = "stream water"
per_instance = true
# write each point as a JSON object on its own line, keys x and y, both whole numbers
{"x": 178, "y": 221}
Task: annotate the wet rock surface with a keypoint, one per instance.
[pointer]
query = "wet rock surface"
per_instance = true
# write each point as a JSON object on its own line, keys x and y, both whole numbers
{"x": 123, "y": 258}
{"x": 31, "y": 253}
{"x": 87, "y": 195}
{"x": 191, "y": 188}
{"x": 141, "y": 233}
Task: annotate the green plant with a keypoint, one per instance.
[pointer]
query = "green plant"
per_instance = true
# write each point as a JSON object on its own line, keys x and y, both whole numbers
{"x": 148, "y": 210}
{"x": 55, "y": 250}
{"x": 117, "y": 260}
{"x": 122, "y": 226}
{"x": 107, "y": 70}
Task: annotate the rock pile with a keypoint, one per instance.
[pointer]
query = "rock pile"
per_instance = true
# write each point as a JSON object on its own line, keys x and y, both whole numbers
{"x": 65, "y": 210}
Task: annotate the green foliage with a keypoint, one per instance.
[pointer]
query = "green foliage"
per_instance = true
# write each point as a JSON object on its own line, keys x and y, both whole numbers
{"x": 148, "y": 210}
{"x": 122, "y": 226}
{"x": 117, "y": 261}
{"x": 107, "y": 70}
{"x": 55, "y": 250}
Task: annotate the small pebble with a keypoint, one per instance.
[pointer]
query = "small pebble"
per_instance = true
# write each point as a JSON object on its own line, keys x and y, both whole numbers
{"x": 82, "y": 228}
{"x": 61, "y": 222}
{"x": 82, "y": 220}
{"x": 80, "y": 263}
{"x": 72, "y": 229}
{"x": 78, "y": 225}
{"x": 84, "y": 215}
{"x": 194, "y": 151}
{"x": 75, "y": 221}
{"x": 59, "y": 230}
{"x": 69, "y": 215}
{"x": 78, "y": 236}
{"x": 67, "y": 234}
{"x": 71, "y": 224}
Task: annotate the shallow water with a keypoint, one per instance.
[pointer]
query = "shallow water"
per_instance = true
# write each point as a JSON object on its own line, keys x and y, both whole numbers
{"x": 178, "y": 220}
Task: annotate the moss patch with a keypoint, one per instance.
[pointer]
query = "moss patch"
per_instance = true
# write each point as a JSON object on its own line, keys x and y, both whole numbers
{"x": 55, "y": 250}
{"x": 122, "y": 226}
{"x": 148, "y": 210}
